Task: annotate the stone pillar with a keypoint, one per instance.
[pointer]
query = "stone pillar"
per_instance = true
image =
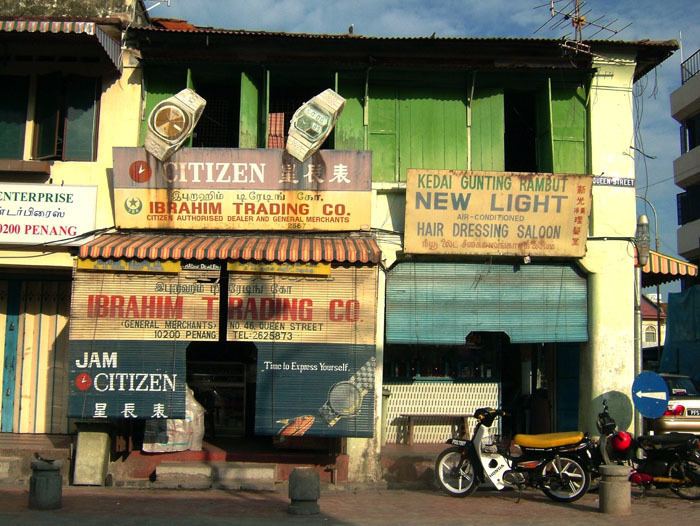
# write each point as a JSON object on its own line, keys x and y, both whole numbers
{"x": 615, "y": 494}
{"x": 304, "y": 491}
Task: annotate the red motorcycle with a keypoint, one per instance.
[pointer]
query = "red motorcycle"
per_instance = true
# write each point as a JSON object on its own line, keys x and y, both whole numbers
{"x": 662, "y": 461}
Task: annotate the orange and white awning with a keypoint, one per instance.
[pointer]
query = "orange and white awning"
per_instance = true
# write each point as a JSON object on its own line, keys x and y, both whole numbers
{"x": 262, "y": 248}
{"x": 662, "y": 268}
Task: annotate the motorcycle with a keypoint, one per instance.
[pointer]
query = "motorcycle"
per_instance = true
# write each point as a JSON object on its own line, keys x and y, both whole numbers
{"x": 556, "y": 463}
{"x": 663, "y": 461}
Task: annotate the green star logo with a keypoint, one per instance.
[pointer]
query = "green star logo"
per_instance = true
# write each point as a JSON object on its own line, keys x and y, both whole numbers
{"x": 133, "y": 205}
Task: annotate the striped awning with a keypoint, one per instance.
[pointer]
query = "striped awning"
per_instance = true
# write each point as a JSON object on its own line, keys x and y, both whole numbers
{"x": 267, "y": 248}
{"x": 111, "y": 47}
{"x": 662, "y": 269}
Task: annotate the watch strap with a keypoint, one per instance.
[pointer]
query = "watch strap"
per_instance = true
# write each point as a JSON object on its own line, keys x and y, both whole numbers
{"x": 189, "y": 98}
{"x": 327, "y": 413}
{"x": 297, "y": 146}
{"x": 330, "y": 101}
{"x": 364, "y": 376}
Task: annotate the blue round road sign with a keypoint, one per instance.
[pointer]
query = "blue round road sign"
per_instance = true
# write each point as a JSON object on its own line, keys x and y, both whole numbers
{"x": 650, "y": 394}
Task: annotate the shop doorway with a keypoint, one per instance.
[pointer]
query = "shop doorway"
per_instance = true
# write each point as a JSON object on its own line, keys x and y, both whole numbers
{"x": 222, "y": 378}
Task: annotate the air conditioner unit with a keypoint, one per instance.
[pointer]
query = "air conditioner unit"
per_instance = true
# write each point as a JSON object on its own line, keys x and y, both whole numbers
{"x": 171, "y": 122}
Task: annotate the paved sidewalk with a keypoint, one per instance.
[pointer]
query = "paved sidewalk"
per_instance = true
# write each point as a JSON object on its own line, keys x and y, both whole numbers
{"x": 87, "y": 506}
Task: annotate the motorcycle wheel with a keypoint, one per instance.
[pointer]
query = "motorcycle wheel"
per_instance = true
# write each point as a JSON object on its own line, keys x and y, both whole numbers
{"x": 565, "y": 480}
{"x": 455, "y": 473}
{"x": 688, "y": 469}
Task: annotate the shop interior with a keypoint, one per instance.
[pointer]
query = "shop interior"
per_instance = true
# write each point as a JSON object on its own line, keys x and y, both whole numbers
{"x": 525, "y": 372}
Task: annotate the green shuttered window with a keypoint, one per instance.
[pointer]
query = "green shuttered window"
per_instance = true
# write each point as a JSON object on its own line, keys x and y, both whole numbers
{"x": 441, "y": 303}
{"x": 66, "y": 117}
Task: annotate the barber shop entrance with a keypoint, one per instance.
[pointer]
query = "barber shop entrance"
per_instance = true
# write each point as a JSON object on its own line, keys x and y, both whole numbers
{"x": 466, "y": 335}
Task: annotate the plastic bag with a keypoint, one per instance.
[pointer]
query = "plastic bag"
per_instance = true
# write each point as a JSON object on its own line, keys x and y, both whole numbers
{"x": 174, "y": 434}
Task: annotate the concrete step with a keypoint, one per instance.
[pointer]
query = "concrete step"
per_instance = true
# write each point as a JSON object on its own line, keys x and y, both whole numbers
{"x": 185, "y": 475}
{"x": 10, "y": 469}
{"x": 253, "y": 476}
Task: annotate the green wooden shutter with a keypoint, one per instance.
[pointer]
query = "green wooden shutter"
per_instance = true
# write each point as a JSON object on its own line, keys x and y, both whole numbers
{"x": 14, "y": 96}
{"x": 432, "y": 128}
{"x": 349, "y": 130}
{"x": 249, "y": 131}
{"x": 47, "y": 115}
{"x": 488, "y": 127}
{"x": 569, "y": 128}
{"x": 383, "y": 140}
{"x": 160, "y": 82}
{"x": 81, "y": 95}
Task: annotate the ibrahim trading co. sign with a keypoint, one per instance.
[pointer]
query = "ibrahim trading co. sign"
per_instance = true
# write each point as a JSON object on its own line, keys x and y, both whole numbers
{"x": 497, "y": 213}
{"x": 237, "y": 189}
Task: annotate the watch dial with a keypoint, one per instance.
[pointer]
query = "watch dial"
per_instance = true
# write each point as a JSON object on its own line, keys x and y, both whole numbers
{"x": 312, "y": 122}
{"x": 345, "y": 399}
{"x": 170, "y": 122}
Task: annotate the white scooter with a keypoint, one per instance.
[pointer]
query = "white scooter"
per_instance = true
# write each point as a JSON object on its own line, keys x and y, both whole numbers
{"x": 556, "y": 463}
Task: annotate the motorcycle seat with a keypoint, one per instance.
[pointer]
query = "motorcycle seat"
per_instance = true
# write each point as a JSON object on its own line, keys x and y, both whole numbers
{"x": 666, "y": 440}
{"x": 547, "y": 440}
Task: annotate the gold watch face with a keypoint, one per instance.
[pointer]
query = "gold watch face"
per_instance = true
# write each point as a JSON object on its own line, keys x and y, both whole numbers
{"x": 170, "y": 122}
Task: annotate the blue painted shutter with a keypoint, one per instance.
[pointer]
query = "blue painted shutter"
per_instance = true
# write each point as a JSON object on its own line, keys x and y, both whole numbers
{"x": 441, "y": 303}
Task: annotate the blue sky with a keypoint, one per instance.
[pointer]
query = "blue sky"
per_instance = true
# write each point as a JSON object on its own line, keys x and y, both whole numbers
{"x": 649, "y": 19}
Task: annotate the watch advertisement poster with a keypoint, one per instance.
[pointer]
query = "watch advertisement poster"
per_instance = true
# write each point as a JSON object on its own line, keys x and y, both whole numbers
{"x": 315, "y": 390}
{"x": 242, "y": 189}
{"x": 126, "y": 379}
{"x": 149, "y": 301}
{"x": 497, "y": 213}
{"x": 339, "y": 307}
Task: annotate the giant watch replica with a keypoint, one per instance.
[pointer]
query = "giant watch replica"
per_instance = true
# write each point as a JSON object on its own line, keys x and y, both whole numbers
{"x": 345, "y": 398}
{"x": 312, "y": 123}
{"x": 171, "y": 122}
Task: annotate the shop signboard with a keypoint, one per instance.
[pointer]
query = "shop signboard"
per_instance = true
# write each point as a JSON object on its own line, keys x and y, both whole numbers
{"x": 146, "y": 301}
{"x": 241, "y": 189}
{"x": 497, "y": 213}
{"x": 126, "y": 379}
{"x": 315, "y": 390}
{"x": 36, "y": 214}
{"x": 303, "y": 308}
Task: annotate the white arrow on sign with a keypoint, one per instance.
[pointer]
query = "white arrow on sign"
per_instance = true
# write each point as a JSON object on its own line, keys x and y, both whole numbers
{"x": 659, "y": 395}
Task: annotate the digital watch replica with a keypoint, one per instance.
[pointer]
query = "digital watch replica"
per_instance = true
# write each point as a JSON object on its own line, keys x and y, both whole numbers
{"x": 345, "y": 398}
{"x": 171, "y": 122}
{"x": 312, "y": 123}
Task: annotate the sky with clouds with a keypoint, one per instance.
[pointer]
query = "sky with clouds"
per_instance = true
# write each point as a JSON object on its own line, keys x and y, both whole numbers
{"x": 648, "y": 19}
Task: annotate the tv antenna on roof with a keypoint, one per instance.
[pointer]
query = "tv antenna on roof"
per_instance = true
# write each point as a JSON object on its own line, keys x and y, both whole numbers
{"x": 576, "y": 13}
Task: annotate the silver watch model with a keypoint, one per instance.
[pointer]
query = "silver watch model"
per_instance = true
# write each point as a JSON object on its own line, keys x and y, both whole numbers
{"x": 171, "y": 122}
{"x": 312, "y": 123}
{"x": 345, "y": 398}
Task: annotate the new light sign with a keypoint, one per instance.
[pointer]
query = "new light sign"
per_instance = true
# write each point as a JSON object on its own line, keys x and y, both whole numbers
{"x": 497, "y": 213}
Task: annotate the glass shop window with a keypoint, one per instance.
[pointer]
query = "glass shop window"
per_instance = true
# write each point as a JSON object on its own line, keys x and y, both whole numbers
{"x": 441, "y": 362}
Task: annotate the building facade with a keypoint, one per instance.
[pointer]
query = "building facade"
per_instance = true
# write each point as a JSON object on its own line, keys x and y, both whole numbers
{"x": 685, "y": 108}
{"x": 464, "y": 238}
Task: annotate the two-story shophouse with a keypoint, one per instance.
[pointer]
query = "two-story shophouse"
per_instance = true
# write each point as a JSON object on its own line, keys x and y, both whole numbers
{"x": 463, "y": 238}
{"x": 64, "y": 83}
